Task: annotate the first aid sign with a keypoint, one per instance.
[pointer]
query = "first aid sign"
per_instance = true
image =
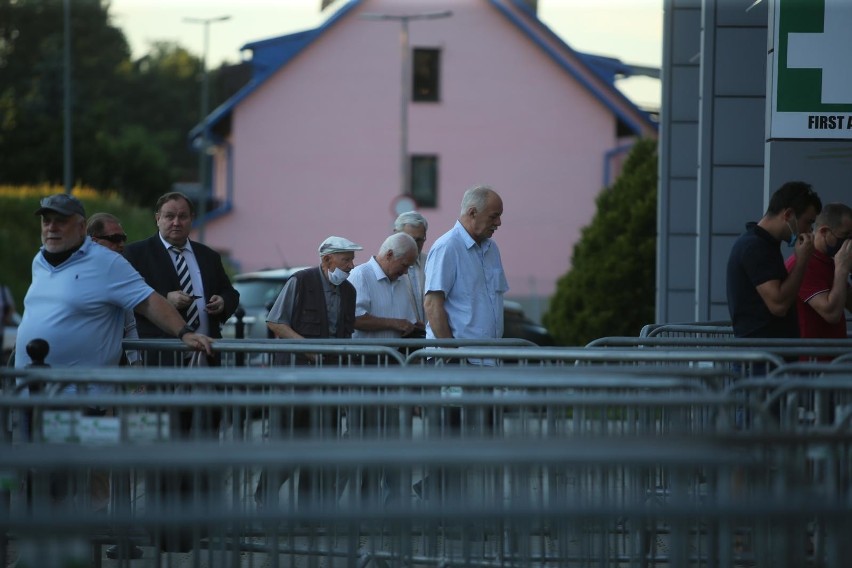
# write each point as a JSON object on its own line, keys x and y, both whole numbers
{"x": 812, "y": 77}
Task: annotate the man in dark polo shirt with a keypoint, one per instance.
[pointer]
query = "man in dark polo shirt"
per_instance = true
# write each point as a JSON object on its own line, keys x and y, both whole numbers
{"x": 761, "y": 292}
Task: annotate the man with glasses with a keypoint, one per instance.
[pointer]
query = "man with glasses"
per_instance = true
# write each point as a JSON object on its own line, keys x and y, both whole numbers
{"x": 823, "y": 295}
{"x": 106, "y": 230}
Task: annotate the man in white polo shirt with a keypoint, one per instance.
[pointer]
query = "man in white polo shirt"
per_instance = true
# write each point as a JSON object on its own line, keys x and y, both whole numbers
{"x": 383, "y": 309}
{"x": 383, "y": 306}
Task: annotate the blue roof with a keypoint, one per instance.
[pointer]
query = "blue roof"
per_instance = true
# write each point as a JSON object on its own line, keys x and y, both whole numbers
{"x": 270, "y": 55}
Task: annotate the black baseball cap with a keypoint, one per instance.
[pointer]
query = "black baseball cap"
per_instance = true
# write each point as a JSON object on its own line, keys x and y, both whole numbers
{"x": 61, "y": 203}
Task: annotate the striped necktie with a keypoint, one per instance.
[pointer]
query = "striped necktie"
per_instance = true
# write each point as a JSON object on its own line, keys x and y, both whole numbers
{"x": 192, "y": 319}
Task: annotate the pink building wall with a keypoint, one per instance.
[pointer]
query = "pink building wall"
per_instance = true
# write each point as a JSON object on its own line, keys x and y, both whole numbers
{"x": 316, "y": 148}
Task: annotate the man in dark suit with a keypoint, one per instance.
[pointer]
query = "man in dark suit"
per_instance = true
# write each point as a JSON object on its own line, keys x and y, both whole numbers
{"x": 204, "y": 296}
{"x": 191, "y": 277}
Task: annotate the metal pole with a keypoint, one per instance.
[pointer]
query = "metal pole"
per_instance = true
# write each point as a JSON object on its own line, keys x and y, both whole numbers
{"x": 407, "y": 80}
{"x": 202, "y": 154}
{"x": 67, "y": 173}
{"x": 203, "y": 157}
{"x": 405, "y": 187}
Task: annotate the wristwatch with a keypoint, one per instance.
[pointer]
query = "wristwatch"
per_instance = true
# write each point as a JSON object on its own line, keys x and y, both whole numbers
{"x": 184, "y": 330}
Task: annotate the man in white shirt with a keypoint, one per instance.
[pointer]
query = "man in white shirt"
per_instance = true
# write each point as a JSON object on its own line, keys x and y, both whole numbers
{"x": 415, "y": 224}
{"x": 383, "y": 306}
{"x": 383, "y": 309}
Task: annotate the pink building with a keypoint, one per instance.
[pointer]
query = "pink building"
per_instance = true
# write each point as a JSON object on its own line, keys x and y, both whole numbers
{"x": 311, "y": 146}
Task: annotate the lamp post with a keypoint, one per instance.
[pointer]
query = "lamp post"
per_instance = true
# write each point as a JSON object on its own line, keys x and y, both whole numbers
{"x": 67, "y": 171}
{"x": 405, "y": 94}
{"x": 205, "y": 97}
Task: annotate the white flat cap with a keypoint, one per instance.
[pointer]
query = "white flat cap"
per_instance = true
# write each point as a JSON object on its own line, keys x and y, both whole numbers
{"x": 337, "y": 244}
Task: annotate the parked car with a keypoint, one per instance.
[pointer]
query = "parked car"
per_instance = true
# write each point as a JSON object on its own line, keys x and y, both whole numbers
{"x": 517, "y": 324}
{"x": 258, "y": 291}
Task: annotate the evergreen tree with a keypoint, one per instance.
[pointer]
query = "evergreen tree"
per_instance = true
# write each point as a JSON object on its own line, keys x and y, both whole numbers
{"x": 610, "y": 288}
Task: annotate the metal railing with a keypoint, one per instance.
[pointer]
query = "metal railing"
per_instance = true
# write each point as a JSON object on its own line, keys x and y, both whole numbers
{"x": 560, "y": 456}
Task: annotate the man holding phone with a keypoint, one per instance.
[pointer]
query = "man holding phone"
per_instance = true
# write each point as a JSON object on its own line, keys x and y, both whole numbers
{"x": 190, "y": 275}
{"x": 192, "y": 278}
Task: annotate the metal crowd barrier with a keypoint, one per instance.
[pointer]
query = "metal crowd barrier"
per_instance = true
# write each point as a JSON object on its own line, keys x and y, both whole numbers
{"x": 568, "y": 457}
{"x": 330, "y": 352}
{"x": 788, "y": 348}
{"x": 688, "y": 329}
{"x": 728, "y": 362}
{"x": 726, "y": 498}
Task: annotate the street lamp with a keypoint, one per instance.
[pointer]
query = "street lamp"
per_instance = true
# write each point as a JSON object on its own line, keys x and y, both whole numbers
{"x": 205, "y": 97}
{"x": 406, "y": 80}
{"x": 67, "y": 177}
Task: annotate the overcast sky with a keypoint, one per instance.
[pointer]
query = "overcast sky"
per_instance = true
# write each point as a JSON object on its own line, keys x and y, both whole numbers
{"x": 628, "y": 29}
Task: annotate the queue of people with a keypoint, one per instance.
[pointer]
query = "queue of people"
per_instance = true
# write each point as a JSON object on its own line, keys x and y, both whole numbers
{"x": 91, "y": 290}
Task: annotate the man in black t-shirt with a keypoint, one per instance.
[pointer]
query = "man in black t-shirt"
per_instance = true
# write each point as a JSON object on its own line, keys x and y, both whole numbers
{"x": 761, "y": 293}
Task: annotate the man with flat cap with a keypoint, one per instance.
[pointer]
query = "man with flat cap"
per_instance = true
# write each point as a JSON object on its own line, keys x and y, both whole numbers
{"x": 318, "y": 302}
{"x": 315, "y": 303}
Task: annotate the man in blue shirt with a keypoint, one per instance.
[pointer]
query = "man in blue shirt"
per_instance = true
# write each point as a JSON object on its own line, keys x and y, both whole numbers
{"x": 79, "y": 293}
{"x": 77, "y": 301}
{"x": 465, "y": 282}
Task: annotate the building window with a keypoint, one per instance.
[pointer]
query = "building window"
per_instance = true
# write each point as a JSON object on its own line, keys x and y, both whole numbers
{"x": 424, "y": 180}
{"x": 427, "y": 74}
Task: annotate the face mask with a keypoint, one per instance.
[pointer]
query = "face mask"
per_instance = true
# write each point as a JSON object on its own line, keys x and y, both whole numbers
{"x": 831, "y": 251}
{"x": 337, "y": 277}
{"x": 794, "y": 236}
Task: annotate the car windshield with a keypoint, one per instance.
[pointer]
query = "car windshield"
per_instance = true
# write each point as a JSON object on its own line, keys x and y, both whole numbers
{"x": 258, "y": 293}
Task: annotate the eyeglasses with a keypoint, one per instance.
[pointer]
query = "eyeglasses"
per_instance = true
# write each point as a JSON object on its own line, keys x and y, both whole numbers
{"x": 117, "y": 238}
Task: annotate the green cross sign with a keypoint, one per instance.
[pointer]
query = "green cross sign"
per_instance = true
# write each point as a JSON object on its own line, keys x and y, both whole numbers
{"x": 812, "y": 76}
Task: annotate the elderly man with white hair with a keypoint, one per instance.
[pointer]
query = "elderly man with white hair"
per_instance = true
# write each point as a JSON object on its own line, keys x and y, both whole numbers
{"x": 318, "y": 302}
{"x": 415, "y": 225}
{"x": 383, "y": 307}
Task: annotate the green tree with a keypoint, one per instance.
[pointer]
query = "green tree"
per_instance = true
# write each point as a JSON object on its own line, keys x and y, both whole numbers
{"x": 32, "y": 91}
{"x": 610, "y": 288}
{"x": 130, "y": 118}
{"x": 161, "y": 100}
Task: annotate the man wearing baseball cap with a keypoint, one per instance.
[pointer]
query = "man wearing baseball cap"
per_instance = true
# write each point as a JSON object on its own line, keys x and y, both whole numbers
{"x": 315, "y": 303}
{"x": 76, "y": 302}
{"x": 79, "y": 292}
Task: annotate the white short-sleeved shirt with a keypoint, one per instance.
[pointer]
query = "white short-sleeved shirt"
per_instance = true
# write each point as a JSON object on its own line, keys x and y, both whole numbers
{"x": 473, "y": 282}
{"x": 416, "y": 282}
{"x": 377, "y": 296}
{"x": 79, "y": 307}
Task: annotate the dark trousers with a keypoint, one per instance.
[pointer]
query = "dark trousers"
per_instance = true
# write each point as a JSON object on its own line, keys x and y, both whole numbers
{"x": 315, "y": 486}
